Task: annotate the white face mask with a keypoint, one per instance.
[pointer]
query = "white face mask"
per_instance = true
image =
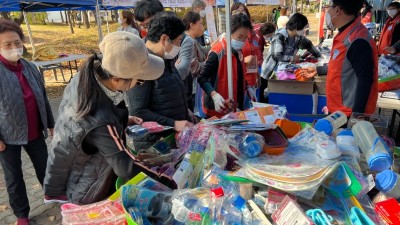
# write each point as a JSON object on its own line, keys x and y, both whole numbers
{"x": 237, "y": 45}
{"x": 329, "y": 18}
{"x": 392, "y": 12}
{"x": 300, "y": 32}
{"x": 173, "y": 53}
{"x": 203, "y": 13}
{"x": 12, "y": 55}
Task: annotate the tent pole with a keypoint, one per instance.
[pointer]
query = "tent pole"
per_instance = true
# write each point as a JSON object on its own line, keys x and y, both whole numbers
{"x": 99, "y": 21}
{"x": 228, "y": 47}
{"x": 28, "y": 27}
{"x": 108, "y": 27}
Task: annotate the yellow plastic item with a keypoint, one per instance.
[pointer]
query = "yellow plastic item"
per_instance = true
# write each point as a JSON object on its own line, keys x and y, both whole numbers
{"x": 138, "y": 178}
{"x": 289, "y": 128}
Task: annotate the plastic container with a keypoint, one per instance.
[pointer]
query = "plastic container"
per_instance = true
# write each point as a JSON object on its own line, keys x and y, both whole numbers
{"x": 389, "y": 183}
{"x": 328, "y": 150}
{"x": 246, "y": 190}
{"x": 251, "y": 145}
{"x": 380, "y": 122}
{"x": 346, "y": 144}
{"x": 275, "y": 141}
{"x": 331, "y": 122}
{"x": 375, "y": 150}
{"x": 288, "y": 127}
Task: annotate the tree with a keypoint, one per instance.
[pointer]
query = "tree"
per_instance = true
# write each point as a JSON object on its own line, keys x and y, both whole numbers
{"x": 5, "y": 15}
{"x": 62, "y": 17}
{"x": 115, "y": 15}
{"x": 86, "y": 19}
{"x": 66, "y": 17}
{"x": 70, "y": 23}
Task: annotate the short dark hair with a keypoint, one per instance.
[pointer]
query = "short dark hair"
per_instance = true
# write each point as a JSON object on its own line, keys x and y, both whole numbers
{"x": 147, "y": 8}
{"x": 235, "y": 6}
{"x": 10, "y": 26}
{"x": 352, "y": 7}
{"x": 190, "y": 17}
{"x": 240, "y": 20}
{"x": 297, "y": 21}
{"x": 165, "y": 23}
{"x": 267, "y": 28}
{"x": 395, "y": 4}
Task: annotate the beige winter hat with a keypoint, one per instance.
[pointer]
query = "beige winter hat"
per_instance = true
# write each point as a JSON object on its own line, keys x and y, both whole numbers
{"x": 125, "y": 56}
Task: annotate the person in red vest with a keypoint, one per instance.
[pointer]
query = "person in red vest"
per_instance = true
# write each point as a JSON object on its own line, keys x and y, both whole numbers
{"x": 352, "y": 76}
{"x": 366, "y": 13}
{"x": 391, "y": 30}
{"x": 213, "y": 78}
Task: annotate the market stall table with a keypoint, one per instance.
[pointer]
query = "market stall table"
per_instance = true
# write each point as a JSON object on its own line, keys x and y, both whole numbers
{"x": 43, "y": 65}
{"x": 392, "y": 104}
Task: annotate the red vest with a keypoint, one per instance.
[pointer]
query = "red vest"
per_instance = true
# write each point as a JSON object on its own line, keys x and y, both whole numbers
{"x": 387, "y": 34}
{"x": 251, "y": 48}
{"x": 341, "y": 79}
{"x": 221, "y": 85}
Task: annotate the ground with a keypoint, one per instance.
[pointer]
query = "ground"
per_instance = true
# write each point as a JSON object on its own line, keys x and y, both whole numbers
{"x": 82, "y": 41}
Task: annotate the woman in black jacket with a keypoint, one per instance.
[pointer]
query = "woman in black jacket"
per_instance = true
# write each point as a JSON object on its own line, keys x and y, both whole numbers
{"x": 88, "y": 148}
{"x": 164, "y": 99}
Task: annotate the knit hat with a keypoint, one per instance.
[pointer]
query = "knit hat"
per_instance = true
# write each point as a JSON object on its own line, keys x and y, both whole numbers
{"x": 125, "y": 56}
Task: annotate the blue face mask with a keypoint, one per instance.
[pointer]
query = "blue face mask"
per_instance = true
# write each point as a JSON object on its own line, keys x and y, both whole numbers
{"x": 237, "y": 45}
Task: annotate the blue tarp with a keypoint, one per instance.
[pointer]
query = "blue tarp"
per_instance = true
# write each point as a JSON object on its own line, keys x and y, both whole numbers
{"x": 49, "y": 5}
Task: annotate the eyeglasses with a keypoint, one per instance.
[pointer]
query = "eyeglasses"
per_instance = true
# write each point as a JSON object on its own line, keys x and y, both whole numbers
{"x": 139, "y": 82}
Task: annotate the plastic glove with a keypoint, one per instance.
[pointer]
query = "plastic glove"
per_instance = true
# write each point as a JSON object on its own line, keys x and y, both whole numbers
{"x": 219, "y": 102}
{"x": 251, "y": 92}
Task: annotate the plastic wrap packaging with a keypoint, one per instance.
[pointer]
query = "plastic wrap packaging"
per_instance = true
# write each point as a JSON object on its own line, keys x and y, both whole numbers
{"x": 102, "y": 213}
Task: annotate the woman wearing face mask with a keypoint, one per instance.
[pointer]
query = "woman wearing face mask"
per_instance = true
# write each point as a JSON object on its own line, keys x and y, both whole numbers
{"x": 127, "y": 22}
{"x": 25, "y": 116}
{"x": 284, "y": 46}
{"x": 88, "y": 147}
{"x": 366, "y": 13}
{"x": 252, "y": 56}
{"x": 391, "y": 30}
{"x": 213, "y": 78}
{"x": 164, "y": 99}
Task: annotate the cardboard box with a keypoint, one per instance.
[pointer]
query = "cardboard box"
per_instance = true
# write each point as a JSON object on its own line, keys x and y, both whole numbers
{"x": 296, "y": 103}
{"x": 320, "y": 83}
{"x": 291, "y": 87}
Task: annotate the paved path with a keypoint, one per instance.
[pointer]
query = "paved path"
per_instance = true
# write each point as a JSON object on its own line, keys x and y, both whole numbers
{"x": 40, "y": 213}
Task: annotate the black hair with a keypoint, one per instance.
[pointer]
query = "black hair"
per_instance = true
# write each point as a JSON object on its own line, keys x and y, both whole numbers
{"x": 297, "y": 22}
{"x": 267, "y": 28}
{"x": 198, "y": 3}
{"x": 190, "y": 17}
{"x": 8, "y": 25}
{"x": 147, "y": 8}
{"x": 165, "y": 23}
{"x": 235, "y": 6}
{"x": 368, "y": 8}
{"x": 89, "y": 90}
{"x": 395, "y": 4}
{"x": 240, "y": 20}
{"x": 352, "y": 7}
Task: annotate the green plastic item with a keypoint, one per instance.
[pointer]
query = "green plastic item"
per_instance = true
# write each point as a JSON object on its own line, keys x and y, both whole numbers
{"x": 304, "y": 124}
{"x": 234, "y": 179}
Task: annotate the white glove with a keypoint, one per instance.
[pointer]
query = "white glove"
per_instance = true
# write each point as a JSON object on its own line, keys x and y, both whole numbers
{"x": 219, "y": 102}
{"x": 251, "y": 92}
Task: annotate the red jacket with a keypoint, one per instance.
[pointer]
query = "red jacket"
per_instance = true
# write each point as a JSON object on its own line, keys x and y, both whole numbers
{"x": 367, "y": 18}
{"x": 221, "y": 85}
{"x": 251, "y": 47}
{"x": 387, "y": 34}
{"x": 340, "y": 88}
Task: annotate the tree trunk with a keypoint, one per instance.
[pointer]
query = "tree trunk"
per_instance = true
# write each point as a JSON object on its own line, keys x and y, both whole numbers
{"x": 66, "y": 17}
{"x": 301, "y": 9}
{"x": 115, "y": 14}
{"x": 72, "y": 16}
{"x": 86, "y": 19}
{"x": 70, "y": 23}
{"x": 95, "y": 17}
{"x": 19, "y": 20}
{"x": 62, "y": 17}
{"x": 6, "y": 15}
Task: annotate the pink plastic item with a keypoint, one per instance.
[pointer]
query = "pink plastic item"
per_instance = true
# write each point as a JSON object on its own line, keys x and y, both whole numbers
{"x": 102, "y": 213}
{"x": 153, "y": 127}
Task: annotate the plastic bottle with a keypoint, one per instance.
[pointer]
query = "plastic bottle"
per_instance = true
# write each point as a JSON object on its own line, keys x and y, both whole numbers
{"x": 389, "y": 183}
{"x": 240, "y": 203}
{"x": 251, "y": 145}
{"x": 231, "y": 215}
{"x": 375, "y": 150}
{"x": 346, "y": 143}
{"x": 331, "y": 122}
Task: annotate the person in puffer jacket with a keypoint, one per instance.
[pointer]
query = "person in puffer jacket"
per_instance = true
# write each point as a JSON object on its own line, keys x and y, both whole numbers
{"x": 25, "y": 117}
{"x": 88, "y": 147}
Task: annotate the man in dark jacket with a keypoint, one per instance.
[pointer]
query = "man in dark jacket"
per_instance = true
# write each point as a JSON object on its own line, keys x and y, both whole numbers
{"x": 162, "y": 100}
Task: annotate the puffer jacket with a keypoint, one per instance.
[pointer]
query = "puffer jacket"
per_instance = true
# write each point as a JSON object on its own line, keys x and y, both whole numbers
{"x": 84, "y": 178}
{"x": 13, "y": 119}
{"x": 162, "y": 100}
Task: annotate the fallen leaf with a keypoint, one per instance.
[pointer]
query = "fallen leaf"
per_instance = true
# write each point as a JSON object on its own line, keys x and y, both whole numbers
{"x": 3, "y": 208}
{"x": 52, "y": 218}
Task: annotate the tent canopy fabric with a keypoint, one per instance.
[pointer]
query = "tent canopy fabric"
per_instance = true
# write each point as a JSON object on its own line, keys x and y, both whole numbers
{"x": 50, "y": 5}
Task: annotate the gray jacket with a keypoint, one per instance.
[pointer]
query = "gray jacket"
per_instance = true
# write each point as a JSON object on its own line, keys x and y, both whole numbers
{"x": 84, "y": 178}
{"x": 13, "y": 119}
